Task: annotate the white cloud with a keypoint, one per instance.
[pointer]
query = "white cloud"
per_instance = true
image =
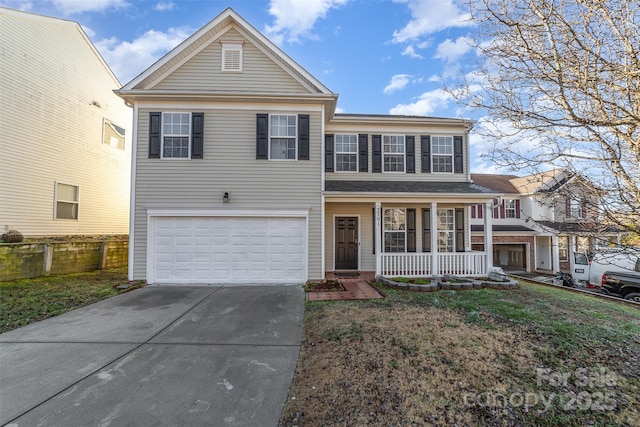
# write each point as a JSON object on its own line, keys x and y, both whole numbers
{"x": 339, "y": 110}
{"x": 397, "y": 82}
{"x": 164, "y": 6}
{"x": 451, "y": 51}
{"x": 128, "y": 59}
{"x": 410, "y": 51}
{"x": 296, "y": 18}
{"x": 69, "y": 7}
{"x": 23, "y": 5}
{"x": 430, "y": 16}
{"x": 88, "y": 31}
{"x": 426, "y": 104}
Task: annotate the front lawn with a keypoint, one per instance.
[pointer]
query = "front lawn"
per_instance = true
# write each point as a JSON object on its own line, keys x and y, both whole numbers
{"x": 30, "y": 300}
{"x": 537, "y": 356}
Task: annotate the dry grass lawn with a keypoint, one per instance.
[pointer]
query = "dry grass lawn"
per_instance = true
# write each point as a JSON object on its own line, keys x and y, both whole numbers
{"x": 528, "y": 357}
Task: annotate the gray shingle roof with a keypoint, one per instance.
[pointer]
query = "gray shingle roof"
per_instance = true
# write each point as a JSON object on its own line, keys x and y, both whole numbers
{"x": 520, "y": 228}
{"x": 580, "y": 227}
{"x": 406, "y": 187}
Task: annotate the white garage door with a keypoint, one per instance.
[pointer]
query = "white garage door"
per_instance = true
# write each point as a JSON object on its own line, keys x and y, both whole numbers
{"x": 228, "y": 250}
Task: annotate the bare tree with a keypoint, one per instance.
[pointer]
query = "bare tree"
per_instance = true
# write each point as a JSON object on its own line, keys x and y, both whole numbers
{"x": 560, "y": 81}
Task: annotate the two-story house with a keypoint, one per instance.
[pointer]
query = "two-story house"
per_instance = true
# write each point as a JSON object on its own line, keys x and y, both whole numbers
{"x": 65, "y": 137}
{"x": 243, "y": 173}
{"x": 541, "y": 221}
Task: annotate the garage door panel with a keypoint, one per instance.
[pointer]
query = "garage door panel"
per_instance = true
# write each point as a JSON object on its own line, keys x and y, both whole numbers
{"x": 229, "y": 250}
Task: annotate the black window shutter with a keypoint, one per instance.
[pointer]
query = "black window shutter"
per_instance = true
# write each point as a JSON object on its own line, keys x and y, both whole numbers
{"x": 377, "y": 153}
{"x": 328, "y": 153}
{"x": 262, "y": 136}
{"x": 363, "y": 152}
{"x": 425, "y": 147}
{"x": 426, "y": 230}
{"x": 457, "y": 155}
{"x": 303, "y": 137}
{"x": 155, "y": 120}
{"x": 411, "y": 230}
{"x": 517, "y": 208}
{"x": 197, "y": 134}
{"x": 459, "y": 230}
{"x": 411, "y": 153}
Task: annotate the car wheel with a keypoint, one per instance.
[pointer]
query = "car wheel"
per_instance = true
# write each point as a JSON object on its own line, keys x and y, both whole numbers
{"x": 633, "y": 297}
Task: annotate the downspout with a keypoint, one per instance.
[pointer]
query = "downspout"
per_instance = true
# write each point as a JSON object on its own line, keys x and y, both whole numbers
{"x": 132, "y": 200}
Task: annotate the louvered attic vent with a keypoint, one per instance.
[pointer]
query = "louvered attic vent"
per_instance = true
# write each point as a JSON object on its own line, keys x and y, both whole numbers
{"x": 232, "y": 57}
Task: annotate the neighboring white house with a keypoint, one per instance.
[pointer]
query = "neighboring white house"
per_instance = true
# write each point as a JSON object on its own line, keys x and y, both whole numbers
{"x": 65, "y": 137}
{"x": 541, "y": 220}
{"x": 243, "y": 173}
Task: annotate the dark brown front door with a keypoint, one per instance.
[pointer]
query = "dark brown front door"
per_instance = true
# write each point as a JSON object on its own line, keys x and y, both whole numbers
{"x": 346, "y": 243}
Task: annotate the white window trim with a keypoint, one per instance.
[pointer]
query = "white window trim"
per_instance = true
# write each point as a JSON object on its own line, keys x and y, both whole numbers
{"x": 55, "y": 201}
{"x": 295, "y": 157}
{"x": 451, "y": 231}
{"x": 434, "y": 154}
{"x": 110, "y": 123}
{"x": 404, "y": 154}
{"x": 575, "y": 206}
{"x": 234, "y": 47}
{"x": 162, "y": 136}
{"x": 384, "y": 231}
{"x": 510, "y": 205}
{"x": 564, "y": 239}
{"x": 335, "y": 154}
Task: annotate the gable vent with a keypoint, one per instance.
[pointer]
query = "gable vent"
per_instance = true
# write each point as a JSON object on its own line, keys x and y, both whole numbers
{"x": 232, "y": 57}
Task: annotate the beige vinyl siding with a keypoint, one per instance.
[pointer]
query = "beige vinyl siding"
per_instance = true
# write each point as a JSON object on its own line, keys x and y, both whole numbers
{"x": 229, "y": 165}
{"x": 395, "y": 130}
{"x": 54, "y": 94}
{"x": 203, "y": 72}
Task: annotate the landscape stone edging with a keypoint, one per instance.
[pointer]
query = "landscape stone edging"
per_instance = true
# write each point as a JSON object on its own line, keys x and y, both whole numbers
{"x": 438, "y": 284}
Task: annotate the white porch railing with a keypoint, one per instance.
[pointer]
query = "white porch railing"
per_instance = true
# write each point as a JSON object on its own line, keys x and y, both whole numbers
{"x": 421, "y": 264}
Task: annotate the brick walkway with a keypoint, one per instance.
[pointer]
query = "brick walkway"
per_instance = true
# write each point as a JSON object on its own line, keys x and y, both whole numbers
{"x": 356, "y": 288}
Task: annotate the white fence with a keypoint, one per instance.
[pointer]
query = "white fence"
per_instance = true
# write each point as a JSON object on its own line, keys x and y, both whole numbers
{"x": 421, "y": 264}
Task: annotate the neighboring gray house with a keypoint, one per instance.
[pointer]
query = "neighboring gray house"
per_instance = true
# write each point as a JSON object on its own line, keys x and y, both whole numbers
{"x": 65, "y": 137}
{"x": 243, "y": 173}
{"x": 541, "y": 221}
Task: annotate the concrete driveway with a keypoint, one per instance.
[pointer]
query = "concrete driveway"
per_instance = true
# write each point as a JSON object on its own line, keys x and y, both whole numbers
{"x": 188, "y": 356}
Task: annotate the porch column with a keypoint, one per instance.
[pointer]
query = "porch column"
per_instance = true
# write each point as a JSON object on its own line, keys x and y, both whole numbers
{"x": 435, "y": 264}
{"x": 570, "y": 250}
{"x": 378, "y": 234}
{"x": 555, "y": 254}
{"x": 488, "y": 235}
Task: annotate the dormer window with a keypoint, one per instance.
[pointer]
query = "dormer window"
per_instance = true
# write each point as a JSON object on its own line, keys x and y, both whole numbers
{"x": 232, "y": 57}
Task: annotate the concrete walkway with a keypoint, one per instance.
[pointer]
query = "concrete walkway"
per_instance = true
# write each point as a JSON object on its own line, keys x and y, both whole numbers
{"x": 190, "y": 356}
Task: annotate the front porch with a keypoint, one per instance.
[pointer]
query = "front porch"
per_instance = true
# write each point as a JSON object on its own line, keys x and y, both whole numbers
{"x": 464, "y": 264}
{"x": 410, "y": 238}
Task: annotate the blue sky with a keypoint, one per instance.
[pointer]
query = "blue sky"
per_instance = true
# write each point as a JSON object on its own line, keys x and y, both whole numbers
{"x": 380, "y": 56}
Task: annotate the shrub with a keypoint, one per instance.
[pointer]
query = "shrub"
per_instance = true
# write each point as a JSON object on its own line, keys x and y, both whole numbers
{"x": 12, "y": 236}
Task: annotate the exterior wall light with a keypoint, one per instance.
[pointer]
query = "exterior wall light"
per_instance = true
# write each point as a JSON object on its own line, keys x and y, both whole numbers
{"x": 225, "y": 197}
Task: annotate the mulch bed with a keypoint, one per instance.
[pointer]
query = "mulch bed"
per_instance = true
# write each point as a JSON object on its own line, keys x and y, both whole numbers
{"x": 324, "y": 286}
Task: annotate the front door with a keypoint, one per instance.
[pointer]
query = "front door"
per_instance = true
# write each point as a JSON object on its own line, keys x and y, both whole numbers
{"x": 346, "y": 243}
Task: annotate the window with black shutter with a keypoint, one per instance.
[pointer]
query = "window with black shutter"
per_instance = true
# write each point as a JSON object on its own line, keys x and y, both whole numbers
{"x": 411, "y": 153}
{"x": 377, "y": 153}
{"x": 363, "y": 152}
{"x": 176, "y": 135}
{"x": 426, "y": 230}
